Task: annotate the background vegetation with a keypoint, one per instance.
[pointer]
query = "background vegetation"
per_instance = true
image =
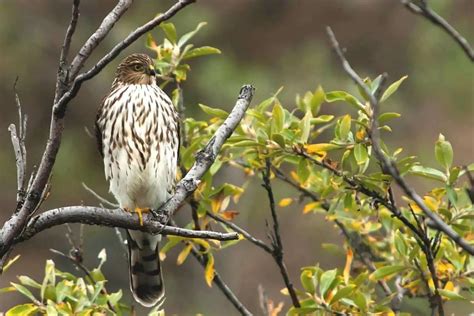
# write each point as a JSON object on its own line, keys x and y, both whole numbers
{"x": 268, "y": 44}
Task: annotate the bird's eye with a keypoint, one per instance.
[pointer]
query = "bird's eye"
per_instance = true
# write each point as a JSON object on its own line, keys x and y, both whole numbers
{"x": 138, "y": 67}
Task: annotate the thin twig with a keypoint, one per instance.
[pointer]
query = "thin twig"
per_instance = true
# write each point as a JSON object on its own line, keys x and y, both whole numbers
{"x": 99, "y": 197}
{"x": 420, "y": 7}
{"x": 238, "y": 229}
{"x": 62, "y": 77}
{"x": 277, "y": 245}
{"x": 222, "y": 286}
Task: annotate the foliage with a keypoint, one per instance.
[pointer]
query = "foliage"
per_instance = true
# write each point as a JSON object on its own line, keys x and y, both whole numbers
{"x": 330, "y": 161}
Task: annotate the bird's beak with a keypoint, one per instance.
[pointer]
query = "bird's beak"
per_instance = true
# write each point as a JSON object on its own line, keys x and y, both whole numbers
{"x": 152, "y": 71}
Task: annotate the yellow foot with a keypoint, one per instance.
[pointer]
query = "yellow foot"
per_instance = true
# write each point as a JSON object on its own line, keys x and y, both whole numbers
{"x": 139, "y": 211}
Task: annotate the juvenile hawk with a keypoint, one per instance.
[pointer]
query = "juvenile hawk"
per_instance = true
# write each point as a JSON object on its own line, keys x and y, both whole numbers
{"x": 138, "y": 136}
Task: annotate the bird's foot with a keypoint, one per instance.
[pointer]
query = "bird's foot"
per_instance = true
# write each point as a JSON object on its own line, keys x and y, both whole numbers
{"x": 139, "y": 211}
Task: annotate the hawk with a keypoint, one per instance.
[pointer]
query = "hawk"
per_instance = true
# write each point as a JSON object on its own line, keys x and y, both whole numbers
{"x": 137, "y": 133}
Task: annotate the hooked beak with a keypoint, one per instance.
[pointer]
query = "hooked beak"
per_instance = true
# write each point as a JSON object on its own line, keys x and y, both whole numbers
{"x": 151, "y": 71}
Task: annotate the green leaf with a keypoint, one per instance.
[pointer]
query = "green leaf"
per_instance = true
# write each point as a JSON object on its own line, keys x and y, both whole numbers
{"x": 308, "y": 282}
{"x": 26, "y": 280}
{"x": 428, "y": 172}
{"x": 23, "y": 290}
{"x": 22, "y": 310}
{"x": 279, "y": 139}
{"x": 278, "y": 118}
{"x": 97, "y": 275}
{"x": 392, "y": 88}
{"x": 360, "y": 153}
{"x": 170, "y": 31}
{"x": 305, "y": 126}
{"x": 342, "y": 293}
{"x": 385, "y": 272}
{"x": 9, "y": 263}
{"x": 214, "y": 111}
{"x": 186, "y": 37}
{"x": 201, "y": 51}
{"x": 334, "y": 96}
{"x": 451, "y": 295}
{"x": 49, "y": 277}
{"x": 444, "y": 152}
{"x": 384, "y": 117}
{"x": 322, "y": 119}
{"x": 345, "y": 127}
{"x": 114, "y": 298}
{"x": 317, "y": 99}
{"x": 326, "y": 280}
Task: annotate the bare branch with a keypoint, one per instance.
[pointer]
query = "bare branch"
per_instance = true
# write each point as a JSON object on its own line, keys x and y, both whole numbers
{"x": 113, "y": 218}
{"x": 236, "y": 228}
{"x": 420, "y": 7}
{"x": 98, "y": 197}
{"x": 94, "y": 40}
{"x": 208, "y": 154}
{"x": 389, "y": 166}
{"x": 18, "y": 142}
{"x": 277, "y": 251}
{"x": 62, "y": 77}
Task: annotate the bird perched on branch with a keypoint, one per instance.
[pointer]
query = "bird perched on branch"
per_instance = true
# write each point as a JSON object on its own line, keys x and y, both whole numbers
{"x": 138, "y": 135}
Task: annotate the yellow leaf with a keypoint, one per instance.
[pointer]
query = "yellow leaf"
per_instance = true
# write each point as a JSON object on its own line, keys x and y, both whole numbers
{"x": 201, "y": 242}
{"x": 216, "y": 204}
{"x": 209, "y": 271}
{"x": 310, "y": 206}
{"x": 347, "y": 267}
{"x": 183, "y": 255}
{"x": 285, "y": 202}
{"x": 360, "y": 135}
{"x": 229, "y": 215}
{"x": 415, "y": 208}
{"x": 431, "y": 202}
{"x": 320, "y": 149}
{"x": 449, "y": 286}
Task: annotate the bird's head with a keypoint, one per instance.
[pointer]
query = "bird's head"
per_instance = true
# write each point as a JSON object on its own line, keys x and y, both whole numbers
{"x": 136, "y": 69}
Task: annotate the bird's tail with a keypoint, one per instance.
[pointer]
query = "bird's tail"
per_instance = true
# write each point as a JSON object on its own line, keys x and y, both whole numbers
{"x": 146, "y": 281}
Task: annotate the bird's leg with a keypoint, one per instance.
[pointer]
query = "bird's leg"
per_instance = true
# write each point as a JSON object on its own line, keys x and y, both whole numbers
{"x": 139, "y": 211}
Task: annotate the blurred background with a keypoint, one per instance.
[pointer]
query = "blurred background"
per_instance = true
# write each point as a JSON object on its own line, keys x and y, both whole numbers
{"x": 269, "y": 43}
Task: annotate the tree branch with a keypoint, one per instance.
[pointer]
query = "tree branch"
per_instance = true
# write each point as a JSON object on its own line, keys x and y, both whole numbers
{"x": 62, "y": 76}
{"x": 208, "y": 154}
{"x": 18, "y": 142}
{"x": 277, "y": 246}
{"x": 389, "y": 166}
{"x": 238, "y": 229}
{"x": 113, "y": 218}
{"x": 94, "y": 40}
{"x": 420, "y": 7}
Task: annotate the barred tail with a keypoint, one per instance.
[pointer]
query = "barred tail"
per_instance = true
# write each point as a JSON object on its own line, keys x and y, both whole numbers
{"x": 146, "y": 281}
